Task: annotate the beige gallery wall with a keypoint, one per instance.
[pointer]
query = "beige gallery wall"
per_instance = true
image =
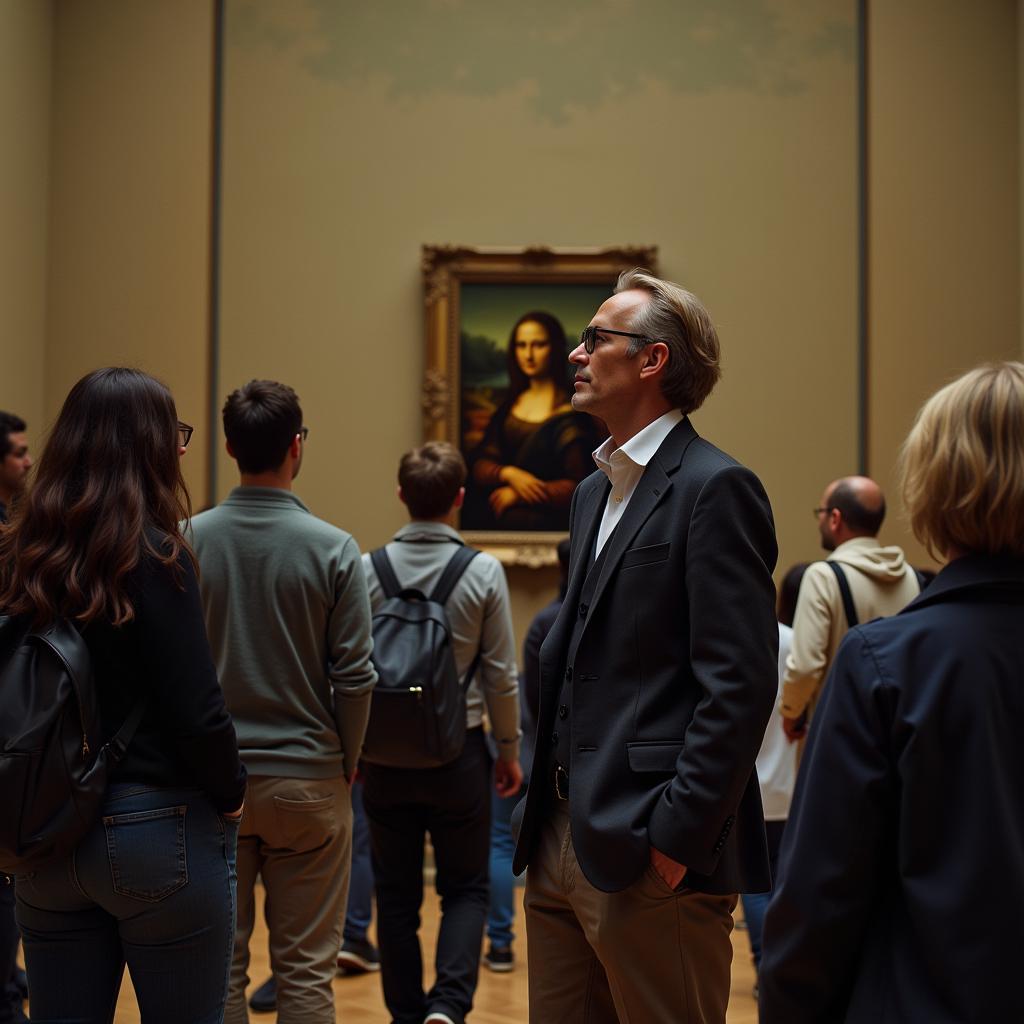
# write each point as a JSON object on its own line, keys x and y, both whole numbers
{"x": 945, "y": 181}
{"x": 354, "y": 134}
{"x": 130, "y": 199}
{"x": 25, "y": 72}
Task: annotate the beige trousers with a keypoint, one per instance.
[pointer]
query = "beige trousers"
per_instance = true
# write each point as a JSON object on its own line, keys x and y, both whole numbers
{"x": 646, "y": 955}
{"x": 297, "y": 834}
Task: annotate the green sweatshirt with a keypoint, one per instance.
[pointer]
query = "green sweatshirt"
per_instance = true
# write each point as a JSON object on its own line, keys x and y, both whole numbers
{"x": 287, "y": 613}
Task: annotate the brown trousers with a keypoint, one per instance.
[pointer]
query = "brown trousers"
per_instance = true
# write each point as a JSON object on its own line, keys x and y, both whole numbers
{"x": 297, "y": 834}
{"x": 646, "y": 955}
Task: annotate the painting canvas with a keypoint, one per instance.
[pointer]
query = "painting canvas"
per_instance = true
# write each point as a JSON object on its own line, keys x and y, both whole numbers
{"x": 526, "y": 448}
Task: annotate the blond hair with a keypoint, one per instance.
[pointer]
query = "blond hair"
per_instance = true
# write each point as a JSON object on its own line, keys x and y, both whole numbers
{"x": 962, "y": 465}
{"x": 678, "y": 318}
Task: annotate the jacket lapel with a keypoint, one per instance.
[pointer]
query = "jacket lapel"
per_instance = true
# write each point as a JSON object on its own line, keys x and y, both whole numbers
{"x": 588, "y": 518}
{"x": 650, "y": 491}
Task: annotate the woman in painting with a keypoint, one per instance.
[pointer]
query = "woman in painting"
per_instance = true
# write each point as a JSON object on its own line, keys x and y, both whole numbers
{"x": 536, "y": 448}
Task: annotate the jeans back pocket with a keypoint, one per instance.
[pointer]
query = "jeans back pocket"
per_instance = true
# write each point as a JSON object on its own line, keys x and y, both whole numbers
{"x": 146, "y": 850}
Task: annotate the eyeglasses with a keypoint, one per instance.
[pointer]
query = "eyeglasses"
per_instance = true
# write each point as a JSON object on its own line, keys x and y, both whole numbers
{"x": 304, "y": 431}
{"x": 588, "y": 339}
{"x": 184, "y": 434}
{"x": 824, "y": 508}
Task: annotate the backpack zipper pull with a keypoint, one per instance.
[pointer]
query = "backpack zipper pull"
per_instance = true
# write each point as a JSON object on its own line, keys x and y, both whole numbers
{"x": 85, "y": 746}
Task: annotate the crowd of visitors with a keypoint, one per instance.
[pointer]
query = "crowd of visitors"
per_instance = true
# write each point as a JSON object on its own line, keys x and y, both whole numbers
{"x": 847, "y": 758}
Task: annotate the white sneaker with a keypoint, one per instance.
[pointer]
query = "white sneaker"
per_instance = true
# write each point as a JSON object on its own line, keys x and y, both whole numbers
{"x": 438, "y": 1018}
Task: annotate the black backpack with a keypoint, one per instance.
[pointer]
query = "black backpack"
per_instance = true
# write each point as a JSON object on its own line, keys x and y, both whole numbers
{"x": 53, "y": 770}
{"x": 418, "y": 710}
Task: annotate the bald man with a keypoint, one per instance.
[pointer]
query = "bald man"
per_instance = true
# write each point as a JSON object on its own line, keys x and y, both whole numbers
{"x": 879, "y": 582}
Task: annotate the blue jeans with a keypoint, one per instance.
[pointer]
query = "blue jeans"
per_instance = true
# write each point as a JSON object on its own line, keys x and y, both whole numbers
{"x": 360, "y": 886}
{"x": 502, "y": 910}
{"x": 152, "y": 884}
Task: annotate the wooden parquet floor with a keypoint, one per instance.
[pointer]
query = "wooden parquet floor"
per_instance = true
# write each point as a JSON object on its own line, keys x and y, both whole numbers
{"x": 500, "y": 998}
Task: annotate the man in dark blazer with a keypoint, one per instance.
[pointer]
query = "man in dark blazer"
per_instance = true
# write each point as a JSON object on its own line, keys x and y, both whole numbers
{"x": 643, "y": 817}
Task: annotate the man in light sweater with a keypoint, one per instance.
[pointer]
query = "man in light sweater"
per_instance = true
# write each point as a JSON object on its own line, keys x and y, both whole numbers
{"x": 880, "y": 583}
{"x": 288, "y": 616}
{"x": 452, "y": 802}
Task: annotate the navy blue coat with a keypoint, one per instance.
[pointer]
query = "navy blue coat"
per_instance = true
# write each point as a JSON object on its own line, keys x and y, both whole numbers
{"x": 901, "y": 893}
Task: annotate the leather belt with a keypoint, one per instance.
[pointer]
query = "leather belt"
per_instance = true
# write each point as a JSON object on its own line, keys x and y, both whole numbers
{"x": 561, "y": 777}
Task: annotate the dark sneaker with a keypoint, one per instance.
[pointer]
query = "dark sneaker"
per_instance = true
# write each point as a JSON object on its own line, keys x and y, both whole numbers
{"x": 357, "y": 956}
{"x": 264, "y": 999}
{"x": 499, "y": 958}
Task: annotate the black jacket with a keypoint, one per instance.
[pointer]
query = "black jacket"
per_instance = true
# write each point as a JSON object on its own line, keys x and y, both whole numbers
{"x": 674, "y": 675}
{"x": 901, "y": 895}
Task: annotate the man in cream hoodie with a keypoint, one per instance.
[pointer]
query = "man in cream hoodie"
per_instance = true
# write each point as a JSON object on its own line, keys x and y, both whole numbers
{"x": 880, "y": 583}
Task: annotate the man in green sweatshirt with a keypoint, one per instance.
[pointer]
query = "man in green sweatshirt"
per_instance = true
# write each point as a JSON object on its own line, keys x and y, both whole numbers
{"x": 288, "y": 616}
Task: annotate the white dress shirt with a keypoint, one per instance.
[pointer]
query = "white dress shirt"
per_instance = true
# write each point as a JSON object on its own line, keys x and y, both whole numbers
{"x": 624, "y": 466}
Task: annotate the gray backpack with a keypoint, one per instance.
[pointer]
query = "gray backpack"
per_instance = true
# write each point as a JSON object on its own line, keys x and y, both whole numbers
{"x": 418, "y": 709}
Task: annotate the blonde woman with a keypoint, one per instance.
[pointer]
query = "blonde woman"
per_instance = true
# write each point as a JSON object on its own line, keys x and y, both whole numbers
{"x": 902, "y": 889}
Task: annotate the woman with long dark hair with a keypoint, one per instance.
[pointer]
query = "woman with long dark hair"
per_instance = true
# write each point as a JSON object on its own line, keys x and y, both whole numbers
{"x": 536, "y": 448}
{"x": 96, "y": 541}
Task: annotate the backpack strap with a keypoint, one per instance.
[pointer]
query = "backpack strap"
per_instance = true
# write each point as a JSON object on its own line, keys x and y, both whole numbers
{"x": 457, "y": 565}
{"x": 844, "y": 591}
{"x": 67, "y": 643}
{"x": 453, "y": 571}
{"x": 120, "y": 740}
{"x": 385, "y": 573}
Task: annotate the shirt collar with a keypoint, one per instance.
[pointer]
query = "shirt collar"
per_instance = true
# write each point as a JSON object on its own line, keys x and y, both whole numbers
{"x": 419, "y": 531}
{"x": 641, "y": 447}
{"x": 263, "y": 496}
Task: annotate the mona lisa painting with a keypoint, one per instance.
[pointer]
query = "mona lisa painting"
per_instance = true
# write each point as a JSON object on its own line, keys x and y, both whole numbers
{"x": 511, "y": 318}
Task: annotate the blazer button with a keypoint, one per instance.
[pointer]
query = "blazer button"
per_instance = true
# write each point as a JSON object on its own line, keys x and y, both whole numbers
{"x": 568, "y": 673}
{"x": 554, "y": 737}
{"x": 583, "y": 611}
{"x": 563, "y": 711}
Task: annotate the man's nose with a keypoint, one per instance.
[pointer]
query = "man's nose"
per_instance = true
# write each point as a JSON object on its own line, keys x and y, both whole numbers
{"x": 578, "y": 354}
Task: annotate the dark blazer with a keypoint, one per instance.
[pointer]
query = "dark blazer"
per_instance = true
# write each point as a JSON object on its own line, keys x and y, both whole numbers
{"x": 674, "y": 675}
{"x": 901, "y": 894}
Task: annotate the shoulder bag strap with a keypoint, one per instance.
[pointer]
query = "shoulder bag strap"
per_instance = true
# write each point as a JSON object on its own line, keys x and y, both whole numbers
{"x": 844, "y": 590}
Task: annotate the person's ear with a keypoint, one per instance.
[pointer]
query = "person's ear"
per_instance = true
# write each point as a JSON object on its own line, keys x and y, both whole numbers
{"x": 229, "y": 449}
{"x": 655, "y": 359}
{"x": 459, "y": 498}
{"x": 295, "y": 448}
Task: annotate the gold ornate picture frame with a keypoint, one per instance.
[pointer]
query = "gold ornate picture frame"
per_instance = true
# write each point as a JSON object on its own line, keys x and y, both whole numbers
{"x": 476, "y": 301}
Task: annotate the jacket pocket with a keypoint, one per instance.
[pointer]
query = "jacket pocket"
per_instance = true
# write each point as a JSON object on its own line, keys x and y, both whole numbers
{"x": 653, "y": 755}
{"x": 146, "y": 852}
{"x": 646, "y": 555}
